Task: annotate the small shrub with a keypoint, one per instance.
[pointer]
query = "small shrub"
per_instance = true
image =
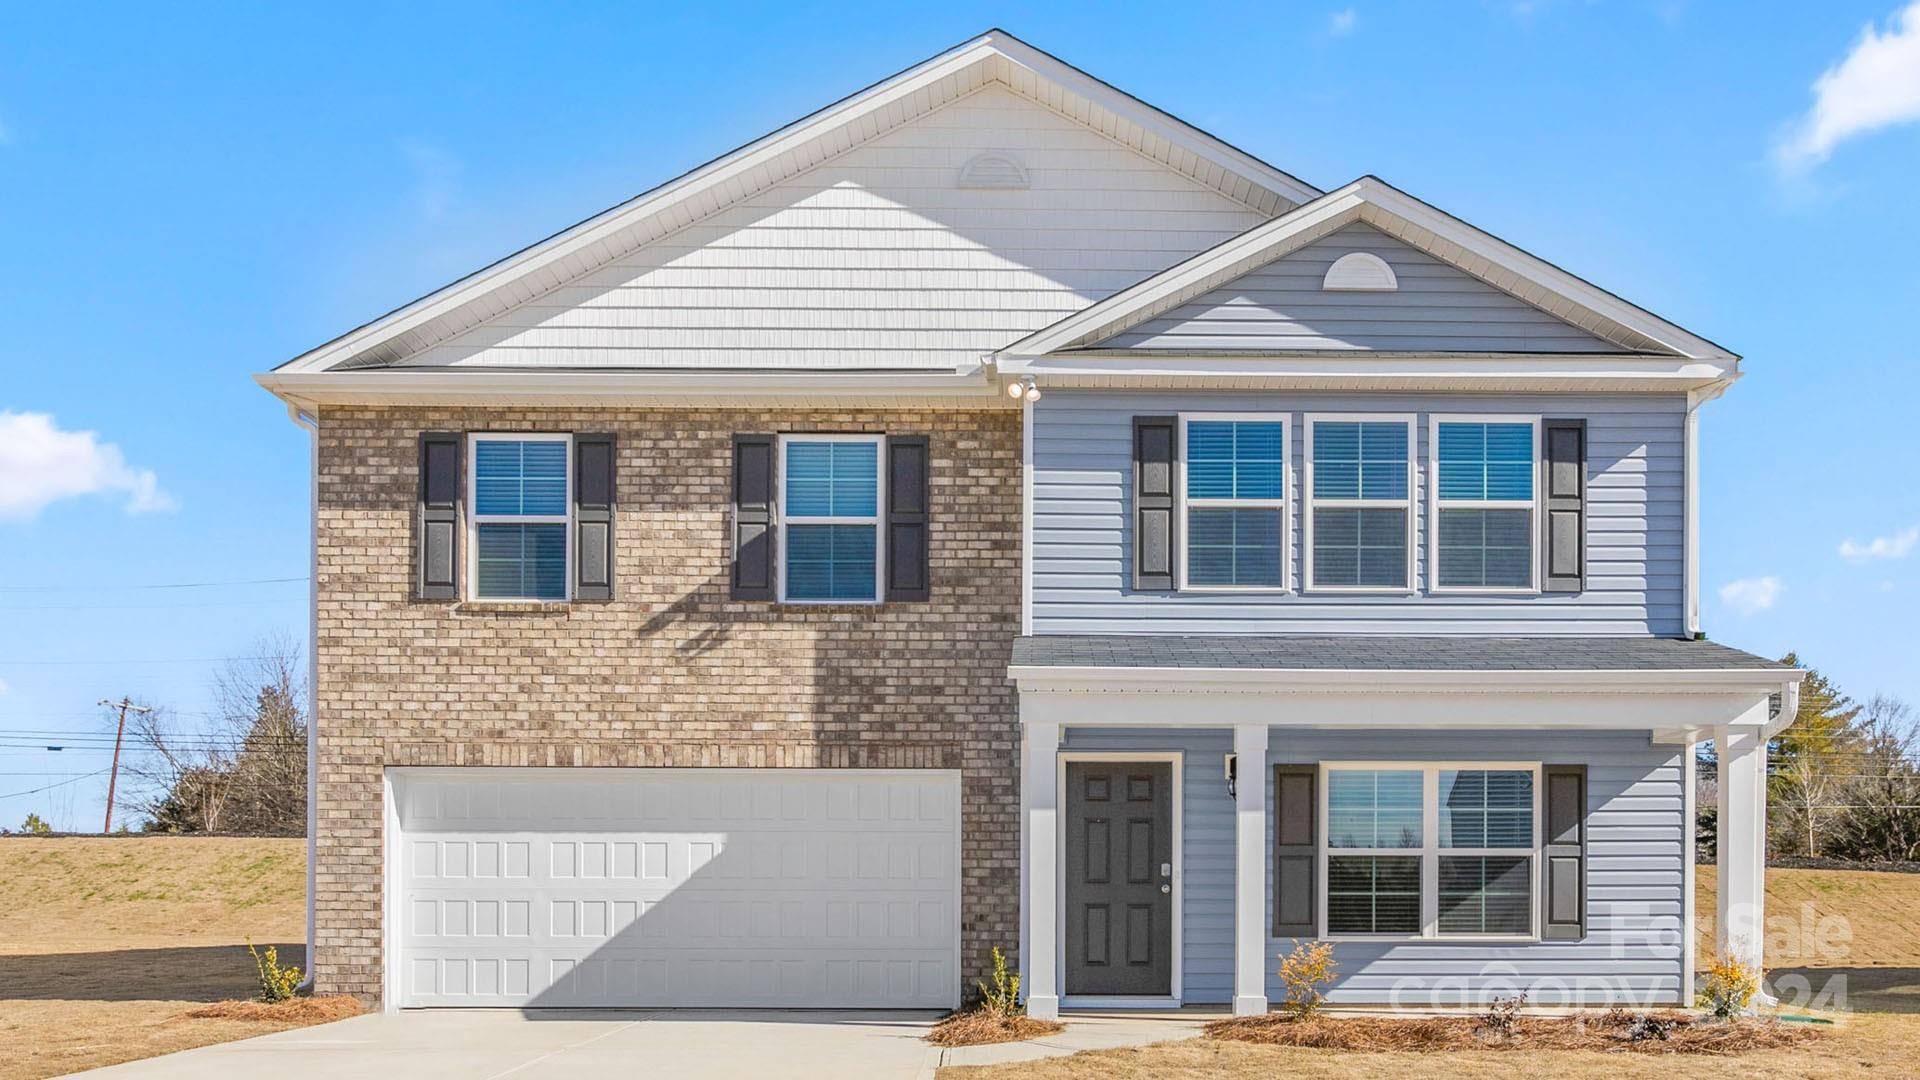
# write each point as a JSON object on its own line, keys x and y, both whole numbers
{"x": 1727, "y": 987}
{"x": 276, "y": 983}
{"x": 1645, "y": 1027}
{"x": 35, "y": 826}
{"x": 1002, "y": 999}
{"x": 1304, "y": 971}
{"x": 1502, "y": 1016}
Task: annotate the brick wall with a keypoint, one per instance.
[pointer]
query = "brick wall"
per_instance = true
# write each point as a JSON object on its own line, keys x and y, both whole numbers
{"x": 671, "y": 672}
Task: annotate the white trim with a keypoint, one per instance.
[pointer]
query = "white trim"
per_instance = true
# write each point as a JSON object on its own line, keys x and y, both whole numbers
{"x": 1408, "y": 220}
{"x": 1089, "y": 1001}
{"x": 1714, "y": 681}
{"x": 1026, "y": 517}
{"x": 1689, "y": 815}
{"x": 1435, "y": 504}
{"x": 1175, "y": 758}
{"x": 390, "y": 886}
{"x": 752, "y": 167}
{"x": 1284, "y": 503}
{"x": 1430, "y": 851}
{"x": 878, "y": 520}
{"x": 1406, "y": 505}
{"x": 674, "y": 389}
{"x": 475, "y": 519}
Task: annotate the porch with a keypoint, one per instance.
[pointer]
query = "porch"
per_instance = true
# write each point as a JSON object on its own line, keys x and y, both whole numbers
{"x": 1464, "y": 818}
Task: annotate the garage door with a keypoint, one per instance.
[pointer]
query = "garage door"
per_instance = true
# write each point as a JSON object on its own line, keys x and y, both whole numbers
{"x": 655, "y": 888}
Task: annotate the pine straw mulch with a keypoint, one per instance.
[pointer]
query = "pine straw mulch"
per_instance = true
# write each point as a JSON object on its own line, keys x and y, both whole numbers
{"x": 981, "y": 1027}
{"x": 299, "y": 1010}
{"x": 1612, "y": 1031}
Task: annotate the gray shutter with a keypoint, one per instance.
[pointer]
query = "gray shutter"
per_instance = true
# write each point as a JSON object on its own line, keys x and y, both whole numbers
{"x": 593, "y": 498}
{"x": 754, "y": 484}
{"x": 1566, "y": 504}
{"x": 1296, "y": 896}
{"x": 1155, "y": 543}
{"x": 437, "y": 515}
{"x": 1563, "y": 893}
{"x": 907, "y": 518}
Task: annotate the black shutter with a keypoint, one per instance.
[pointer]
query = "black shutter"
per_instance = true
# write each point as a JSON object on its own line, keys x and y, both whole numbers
{"x": 1296, "y": 896}
{"x": 437, "y": 516}
{"x": 1566, "y": 504}
{"x": 1563, "y": 893}
{"x": 754, "y": 484}
{"x": 593, "y": 498}
{"x": 907, "y": 517}
{"x": 1155, "y": 545}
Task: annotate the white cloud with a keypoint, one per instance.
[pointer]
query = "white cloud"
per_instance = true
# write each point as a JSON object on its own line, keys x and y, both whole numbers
{"x": 1343, "y": 22}
{"x": 1897, "y": 546}
{"x": 1874, "y": 86}
{"x": 41, "y": 464}
{"x": 1750, "y": 596}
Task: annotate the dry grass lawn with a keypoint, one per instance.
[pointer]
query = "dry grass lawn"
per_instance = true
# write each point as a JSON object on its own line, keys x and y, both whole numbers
{"x": 106, "y": 943}
{"x": 1877, "y": 949}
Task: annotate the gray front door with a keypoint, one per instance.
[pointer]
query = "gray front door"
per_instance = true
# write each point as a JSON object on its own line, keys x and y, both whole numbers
{"x": 1119, "y": 878}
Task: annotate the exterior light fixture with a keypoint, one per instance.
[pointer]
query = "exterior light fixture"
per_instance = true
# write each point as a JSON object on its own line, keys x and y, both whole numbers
{"x": 1028, "y": 390}
{"x": 1014, "y": 390}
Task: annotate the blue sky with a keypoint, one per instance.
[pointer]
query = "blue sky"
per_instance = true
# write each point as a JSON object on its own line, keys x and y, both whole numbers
{"x": 191, "y": 195}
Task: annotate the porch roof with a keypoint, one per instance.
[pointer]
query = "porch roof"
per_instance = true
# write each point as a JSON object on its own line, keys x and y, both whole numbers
{"x": 1351, "y": 652}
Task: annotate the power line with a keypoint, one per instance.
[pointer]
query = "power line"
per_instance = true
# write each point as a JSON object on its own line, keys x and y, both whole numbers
{"x": 106, "y": 663}
{"x": 50, "y": 787}
{"x": 165, "y": 585}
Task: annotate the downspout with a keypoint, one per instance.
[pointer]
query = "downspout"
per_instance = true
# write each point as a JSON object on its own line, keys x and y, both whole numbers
{"x": 311, "y": 422}
{"x": 1690, "y": 517}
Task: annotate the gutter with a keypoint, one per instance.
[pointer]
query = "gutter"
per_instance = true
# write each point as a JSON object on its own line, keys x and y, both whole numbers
{"x": 311, "y": 422}
{"x": 373, "y": 386}
{"x": 1088, "y": 679}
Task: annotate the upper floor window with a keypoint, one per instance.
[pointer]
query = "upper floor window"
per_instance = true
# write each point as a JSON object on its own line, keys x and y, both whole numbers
{"x": 520, "y": 497}
{"x": 1431, "y": 850}
{"x": 830, "y": 499}
{"x": 1235, "y": 503}
{"x": 1485, "y": 515}
{"x": 1359, "y": 518}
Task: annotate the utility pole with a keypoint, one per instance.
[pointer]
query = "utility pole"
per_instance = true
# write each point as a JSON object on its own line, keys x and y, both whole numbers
{"x": 113, "y": 778}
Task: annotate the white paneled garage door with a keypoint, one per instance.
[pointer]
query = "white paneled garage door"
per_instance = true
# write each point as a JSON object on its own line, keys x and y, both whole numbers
{"x": 788, "y": 888}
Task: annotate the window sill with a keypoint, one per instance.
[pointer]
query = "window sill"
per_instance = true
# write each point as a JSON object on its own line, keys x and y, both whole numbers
{"x": 531, "y": 608}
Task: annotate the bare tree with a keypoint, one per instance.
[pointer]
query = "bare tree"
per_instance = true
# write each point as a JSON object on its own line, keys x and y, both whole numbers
{"x": 246, "y": 769}
{"x": 1882, "y": 819}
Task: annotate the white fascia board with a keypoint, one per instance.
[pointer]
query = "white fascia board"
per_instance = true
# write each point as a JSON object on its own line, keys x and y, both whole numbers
{"x": 387, "y": 386}
{"x": 1713, "y": 681}
{"x": 579, "y": 239}
{"x": 1330, "y": 369}
{"x": 1369, "y": 200}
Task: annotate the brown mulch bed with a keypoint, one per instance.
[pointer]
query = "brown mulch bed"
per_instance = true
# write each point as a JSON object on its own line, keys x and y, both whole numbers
{"x": 1685, "y": 1033}
{"x": 304, "y": 1010}
{"x": 979, "y": 1027}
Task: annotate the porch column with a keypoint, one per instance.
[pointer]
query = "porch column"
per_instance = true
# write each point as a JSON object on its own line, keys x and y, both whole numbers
{"x": 1250, "y": 871}
{"x": 1740, "y": 924}
{"x": 1040, "y": 798}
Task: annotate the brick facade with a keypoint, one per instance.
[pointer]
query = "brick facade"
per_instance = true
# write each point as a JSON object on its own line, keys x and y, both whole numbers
{"x": 671, "y": 672}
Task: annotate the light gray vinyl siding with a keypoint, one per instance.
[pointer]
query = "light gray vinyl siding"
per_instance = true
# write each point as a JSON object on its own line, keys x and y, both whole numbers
{"x": 1437, "y": 307}
{"x": 1082, "y": 504}
{"x": 1636, "y": 870}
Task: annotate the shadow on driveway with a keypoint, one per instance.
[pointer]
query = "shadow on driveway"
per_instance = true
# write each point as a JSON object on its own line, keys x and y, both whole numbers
{"x": 195, "y": 973}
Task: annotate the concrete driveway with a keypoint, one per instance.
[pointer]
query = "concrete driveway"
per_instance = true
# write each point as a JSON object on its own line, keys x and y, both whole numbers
{"x": 486, "y": 1044}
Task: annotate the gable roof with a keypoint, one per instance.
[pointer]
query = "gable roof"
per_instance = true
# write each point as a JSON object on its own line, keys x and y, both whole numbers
{"x": 995, "y": 56}
{"x": 1377, "y": 203}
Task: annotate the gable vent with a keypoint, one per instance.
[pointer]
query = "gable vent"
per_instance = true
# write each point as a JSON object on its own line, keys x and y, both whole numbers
{"x": 993, "y": 170}
{"x": 1360, "y": 272}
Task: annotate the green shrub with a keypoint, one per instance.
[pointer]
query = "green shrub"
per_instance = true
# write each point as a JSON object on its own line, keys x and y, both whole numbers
{"x": 276, "y": 983}
{"x": 1003, "y": 997}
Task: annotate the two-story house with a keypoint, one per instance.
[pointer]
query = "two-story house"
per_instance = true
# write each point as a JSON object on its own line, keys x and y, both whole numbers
{"x": 990, "y": 511}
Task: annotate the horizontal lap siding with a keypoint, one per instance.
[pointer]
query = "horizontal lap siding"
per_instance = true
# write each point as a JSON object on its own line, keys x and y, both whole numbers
{"x": 1081, "y": 546}
{"x": 1436, "y": 306}
{"x": 878, "y": 258}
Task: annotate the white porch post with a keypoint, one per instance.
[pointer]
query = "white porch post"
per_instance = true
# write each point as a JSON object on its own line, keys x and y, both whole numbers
{"x": 1250, "y": 870}
{"x": 1740, "y": 926}
{"x": 1040, "y": 796}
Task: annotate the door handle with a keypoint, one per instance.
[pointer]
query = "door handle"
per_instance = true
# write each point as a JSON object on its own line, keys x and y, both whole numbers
{"x": 1166, "y": 888}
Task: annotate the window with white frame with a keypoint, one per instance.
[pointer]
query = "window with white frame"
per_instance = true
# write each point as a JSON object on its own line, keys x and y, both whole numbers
{"x": 1485, "y": 503}
{"x": 1234, "y": 502}
{"x": 1431, "y": 851}
{"x": 521, "y": 498}
{"x": 1359, "y": 515}
{"x": 830, "y": 499}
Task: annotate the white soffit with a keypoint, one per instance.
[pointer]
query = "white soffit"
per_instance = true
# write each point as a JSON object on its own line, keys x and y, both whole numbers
{"x": 994, "y": 57}
{"x": 1376, "y": 203}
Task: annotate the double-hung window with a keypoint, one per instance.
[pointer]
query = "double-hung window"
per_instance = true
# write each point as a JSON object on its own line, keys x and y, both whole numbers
{"x": 830, "y": 499}
{"x": 1485, "y": 509}
{"x": 521, "y": 493}
{"x": 1431, "y": 851}
{"x": 1359, "y": 515}
{"x": 1235, "y": 502}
